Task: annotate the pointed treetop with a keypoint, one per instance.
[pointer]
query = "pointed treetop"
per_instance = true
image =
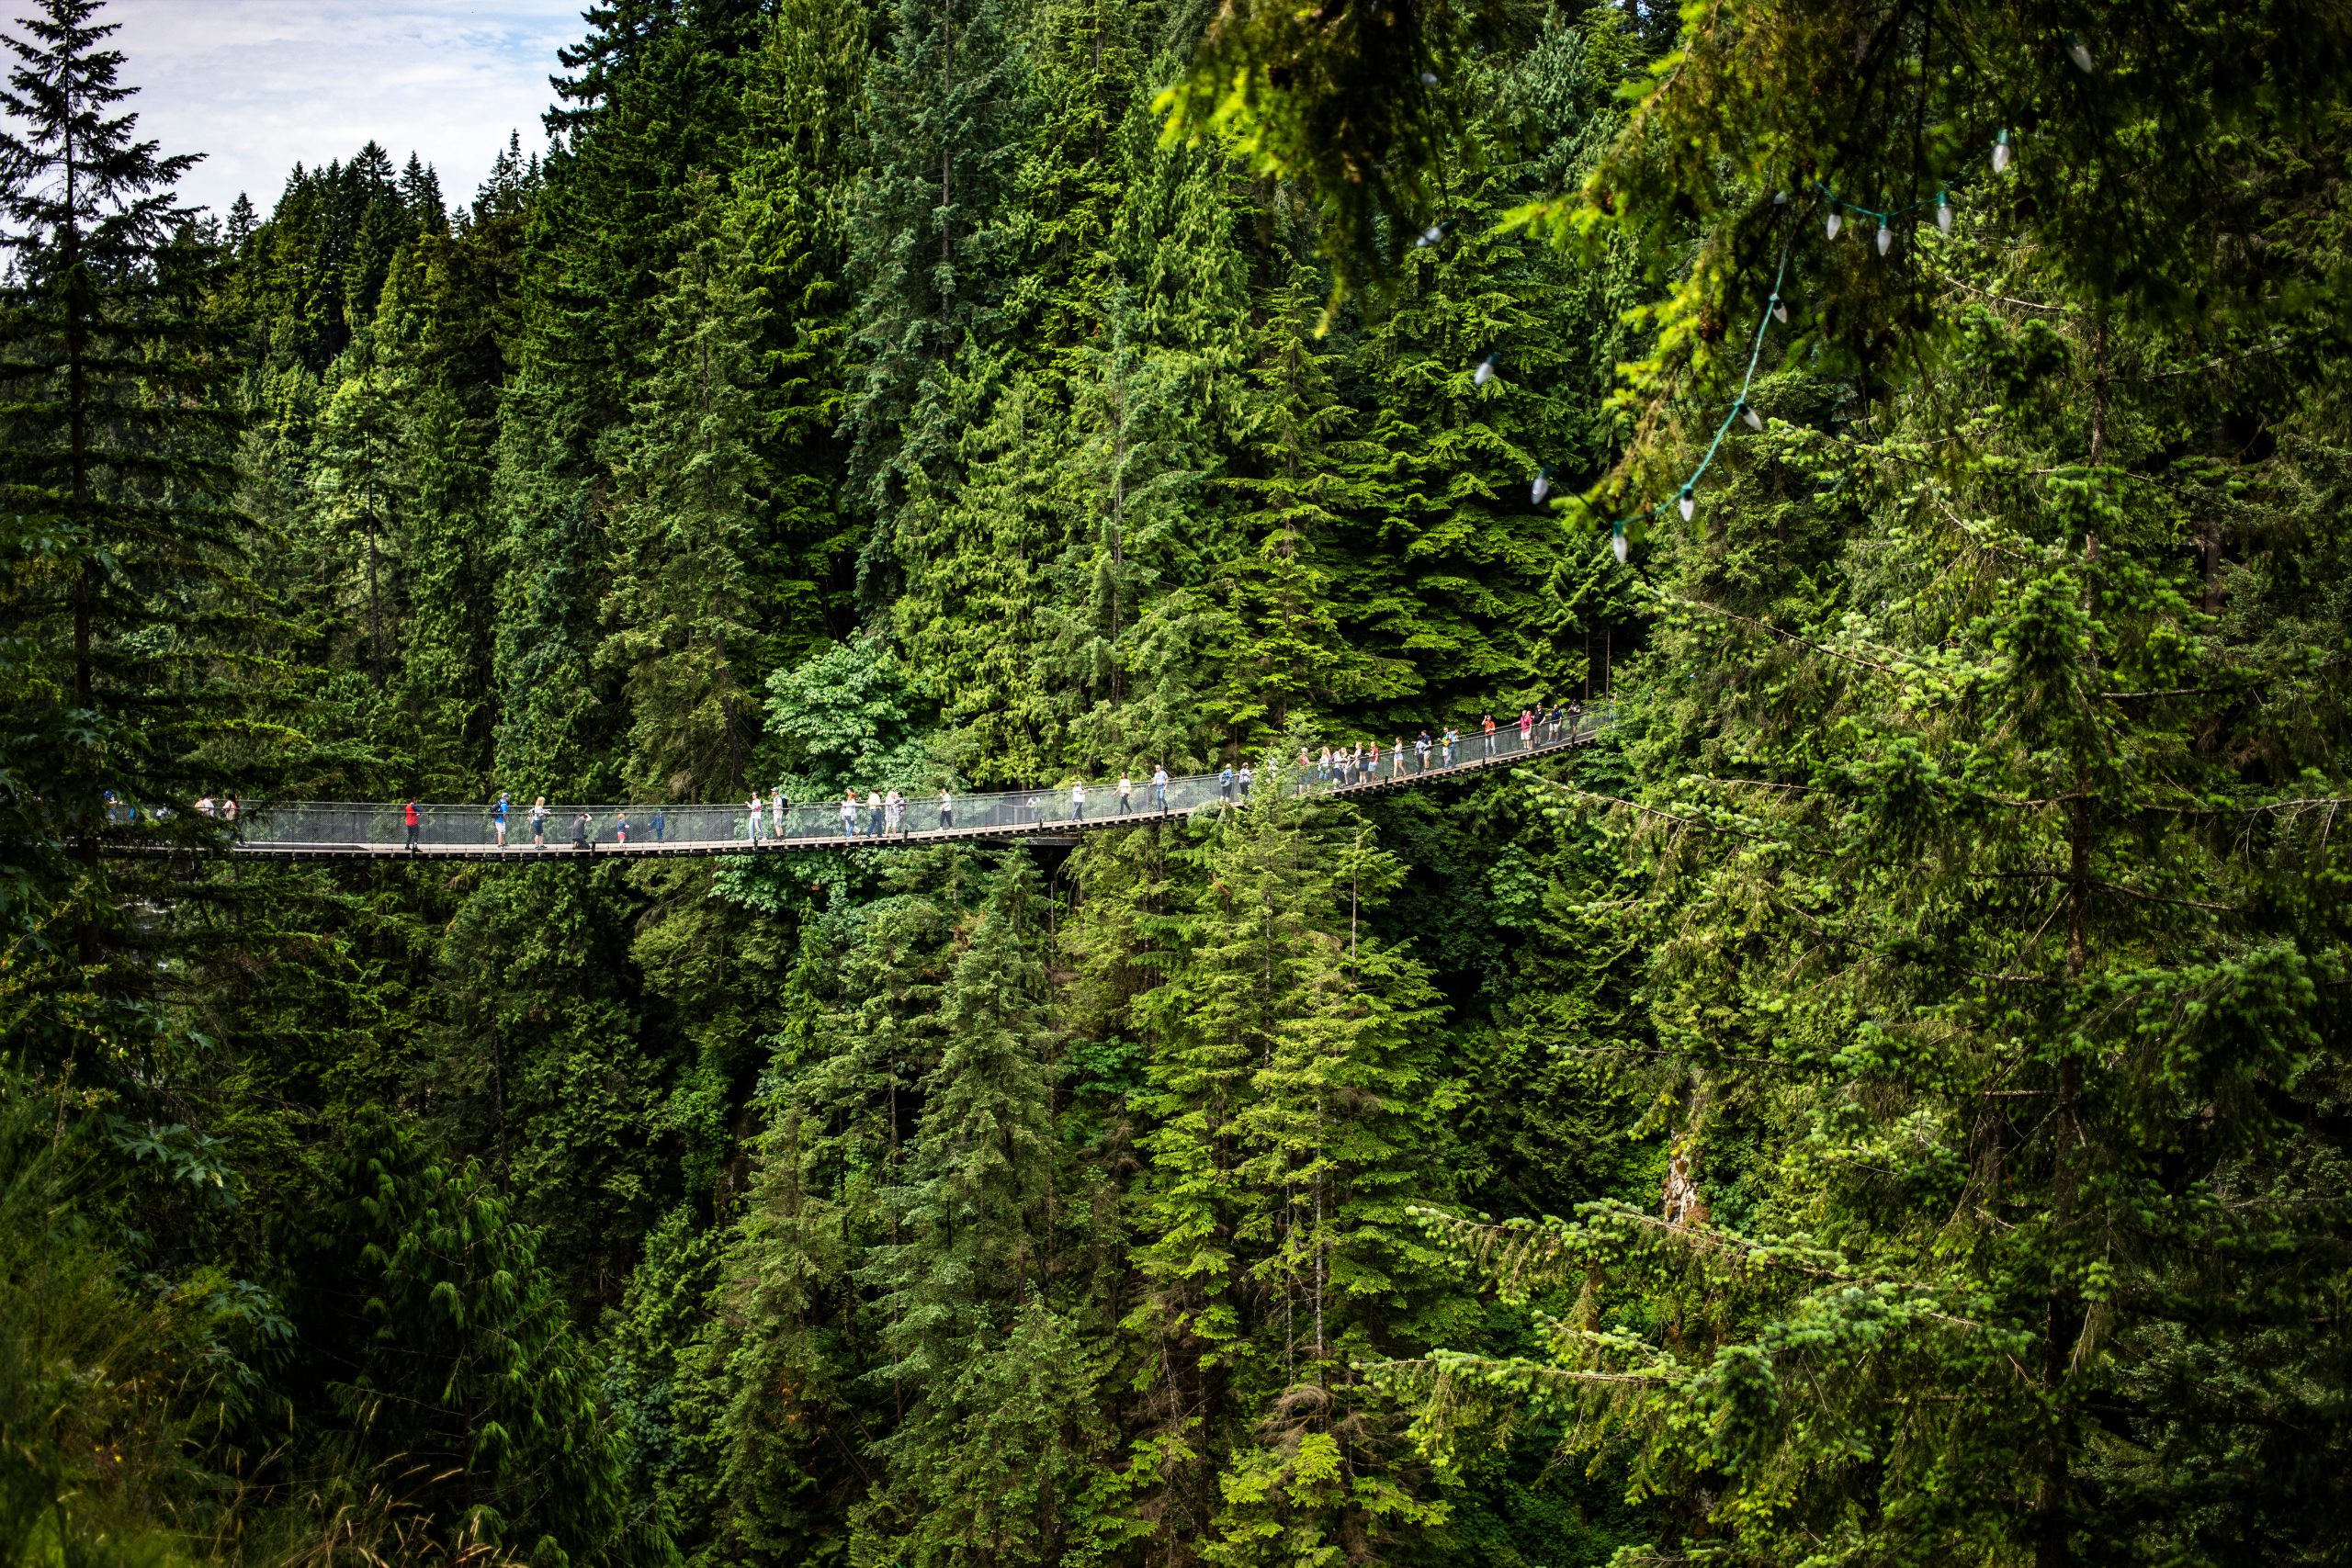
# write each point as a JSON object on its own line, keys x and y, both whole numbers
{"x": 79, "y": 188}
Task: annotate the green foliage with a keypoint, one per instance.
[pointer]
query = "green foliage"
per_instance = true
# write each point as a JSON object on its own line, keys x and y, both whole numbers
{"x": 430, "y": 1332}
{"x": 1918, "y": 1014}
{"x": 683, "y": 602}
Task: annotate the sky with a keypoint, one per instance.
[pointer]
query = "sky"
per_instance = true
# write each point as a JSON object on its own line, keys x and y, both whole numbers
{"x": 261, "y": 84}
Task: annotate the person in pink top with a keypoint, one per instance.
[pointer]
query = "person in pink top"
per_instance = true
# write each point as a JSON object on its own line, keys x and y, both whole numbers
{"x": 1526, "y": 726}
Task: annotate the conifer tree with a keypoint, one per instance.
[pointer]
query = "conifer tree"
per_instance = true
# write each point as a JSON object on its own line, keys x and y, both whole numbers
{"x": 796, "y": 1334}
{"x": 431, "y": 1337}
{"x": 1291, "y": 1110}
{"x": 939, "y": 119}
{"x": 1287, "y": 657}
{"x": 1982, "y": 973}
{"x": 122, "y": 556}
{"x": 356, "y": 475}
{"x": 794, "y": 193}
{"x": 684, "y": 603}
{"x": 991, "y": 1458}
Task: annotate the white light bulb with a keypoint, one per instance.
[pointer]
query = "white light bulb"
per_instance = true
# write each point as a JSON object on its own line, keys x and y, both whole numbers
{"x": 1780, "y": 310}
{"x": 1944, "y": 212}
{"x": 1688, "y": 506}
{"x": 1755, "y": 421}
{"x": 2079, "y": 53}
{"x": 1484, "y": 373}
{"x": 1780, "y": 199}
{"x": 1835, "y": 224}
{"x": 1432, "y": 234}
{"x": 1885, "y": 237}
{"x": 1540, "y": 487}
{"x": 1429, "y": 78}
{"x": 1617, "y": 545}
{"x": 2001, "y": 152}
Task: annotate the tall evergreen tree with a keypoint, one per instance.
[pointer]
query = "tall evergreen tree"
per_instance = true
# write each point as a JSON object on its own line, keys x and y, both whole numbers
{"x": 992, "y": 1457}
{"x": 123, "y": 556}
{"x": 1290, "y": 1108}
{"x": 684, "y": 601}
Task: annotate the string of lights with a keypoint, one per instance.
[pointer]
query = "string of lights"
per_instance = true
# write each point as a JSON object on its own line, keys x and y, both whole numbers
{"x": 1685, "y": 498}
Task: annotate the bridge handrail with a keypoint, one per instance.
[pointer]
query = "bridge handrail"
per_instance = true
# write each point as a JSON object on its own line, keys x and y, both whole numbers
{"x": 375, "y": 827}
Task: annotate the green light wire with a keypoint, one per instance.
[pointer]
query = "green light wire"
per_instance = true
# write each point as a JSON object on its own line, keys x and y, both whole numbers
{"x": 1755, "y": 354}
{"x": 1756, "y": 351}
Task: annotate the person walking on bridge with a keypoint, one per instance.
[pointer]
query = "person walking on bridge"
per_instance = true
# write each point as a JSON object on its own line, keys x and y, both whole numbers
{"x": 1127, "y": 795}
{"x": 1452, "y": 744}
{"x": 752, "y": 818}
{"x": 1224, "y": 783}
{"x": 1486, "y": 731}
{"x": 1077, "y": 802}
{"x": 1526, "y": 727}
{"x": 1396, "y": 759}
{"x": 946, "y": 810}
{"x": 620, "y": 828}
{"x": 408, "y": 817}
{"x": 659, "y": 826}
{"x": 1244, "y": 779}
{"x": 497, "y": 818}
{"x": 539, "y": 823}
{"x": 849, "y": 815}
{"x": 1160, "y": 786}
{"x": 581, "y": 826}
{"x": 873, "y": 813}
{"x": 1421, "y": 752}
{"x": 894, "y": 814}
{"x": 777, "y": 805}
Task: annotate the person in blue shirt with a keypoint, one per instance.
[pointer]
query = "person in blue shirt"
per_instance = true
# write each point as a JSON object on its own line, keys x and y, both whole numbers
{"x": 658, "y": 826}
{"x": 1225, "y": 783}
{"x": 1246, "y": 778}
{"x": 497, "y": 818}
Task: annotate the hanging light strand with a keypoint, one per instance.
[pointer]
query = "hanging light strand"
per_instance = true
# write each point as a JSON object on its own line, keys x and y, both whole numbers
{"x": 1939, "y": 203}
{"x": 1686, "y": 496}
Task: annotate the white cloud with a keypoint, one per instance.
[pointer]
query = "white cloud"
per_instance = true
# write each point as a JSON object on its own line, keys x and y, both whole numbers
{"x": 261, "y": 84}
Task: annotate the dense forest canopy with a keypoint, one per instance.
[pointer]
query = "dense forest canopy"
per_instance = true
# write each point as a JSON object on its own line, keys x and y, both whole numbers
{"x": 1883, "y": 1102}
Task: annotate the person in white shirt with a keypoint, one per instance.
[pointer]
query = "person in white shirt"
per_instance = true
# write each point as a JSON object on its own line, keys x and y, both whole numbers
{"x": 947, "y": 810}
{"x": 1127, "y": 795}
{"x": 1160, "y": 788}
{"x": 1078, "y": 803}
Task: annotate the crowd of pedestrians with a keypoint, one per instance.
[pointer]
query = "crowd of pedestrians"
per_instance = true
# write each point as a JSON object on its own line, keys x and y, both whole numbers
{"x": 879, "y": 816}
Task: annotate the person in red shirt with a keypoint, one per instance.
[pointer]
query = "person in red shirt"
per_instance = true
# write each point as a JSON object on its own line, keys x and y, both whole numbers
{"x": 1526, "y": 726}
{"x": 410, "y": 816}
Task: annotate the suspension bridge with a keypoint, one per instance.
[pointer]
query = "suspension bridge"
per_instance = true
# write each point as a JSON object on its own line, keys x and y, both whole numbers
{"x": 340, "y": 829}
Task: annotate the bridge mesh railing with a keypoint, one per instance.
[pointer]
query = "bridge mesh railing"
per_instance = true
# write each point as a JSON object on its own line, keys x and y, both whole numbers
{"x": 326, "y": 827}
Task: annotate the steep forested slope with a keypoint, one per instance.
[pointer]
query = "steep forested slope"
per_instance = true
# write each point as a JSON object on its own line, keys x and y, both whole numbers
{"x": 1884, "y": 1102}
